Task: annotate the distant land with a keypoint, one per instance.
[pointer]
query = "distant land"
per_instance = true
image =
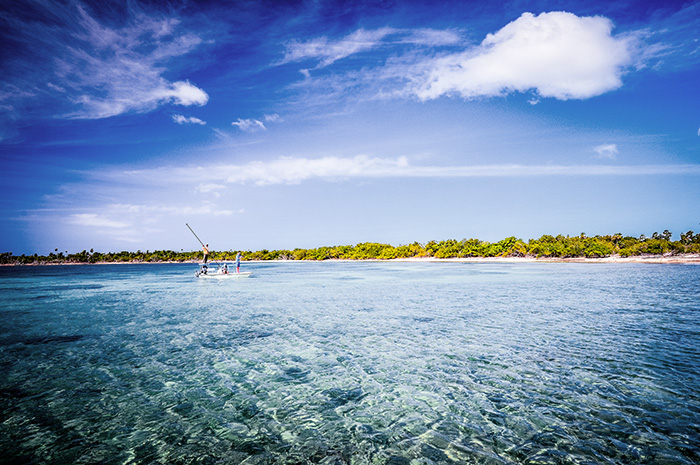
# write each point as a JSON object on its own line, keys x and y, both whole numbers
{"x": 615, "y": 247}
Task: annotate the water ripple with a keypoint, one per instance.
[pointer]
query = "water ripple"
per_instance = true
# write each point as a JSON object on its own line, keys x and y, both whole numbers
{"x": 352, "y": 363}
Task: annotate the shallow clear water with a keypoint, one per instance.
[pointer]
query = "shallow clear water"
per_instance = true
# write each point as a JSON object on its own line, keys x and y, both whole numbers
{"x": 351, "y": 362}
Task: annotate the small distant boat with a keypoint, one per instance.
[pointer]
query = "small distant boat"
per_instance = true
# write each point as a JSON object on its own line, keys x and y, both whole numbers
{"x": 220, "y": 271}
{"x": 217, "y": 270}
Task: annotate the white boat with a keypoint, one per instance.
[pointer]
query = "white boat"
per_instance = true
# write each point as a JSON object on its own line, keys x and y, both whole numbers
{"x": 224, "y": 270}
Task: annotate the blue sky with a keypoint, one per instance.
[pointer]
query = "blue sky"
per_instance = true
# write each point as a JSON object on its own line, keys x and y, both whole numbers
{"x": 271, "y": 125}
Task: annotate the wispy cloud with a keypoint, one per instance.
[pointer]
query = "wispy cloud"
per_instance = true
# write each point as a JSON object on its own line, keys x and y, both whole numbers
{"x": 296, "y": 170}
{"x": 288, "y": 170}
{"x": 249, "y": 125}
{"x": 127, "y": 223}
{"x": 432, "y": 37}
{"x": 95, "y": 220}
{"x": 608, "y": 151}
{"x": 327, "y": 51}
{"x": 117, "y": 217}
{"x": 252, "y": 124}
{"x": 670, "y": 47}
{"x": 209, "y": 188}
{"x": 207, "y": 208}
{"x": 98, "y": 70}
{"x": 179, "y": 119}
{"x": 116, "y": 71}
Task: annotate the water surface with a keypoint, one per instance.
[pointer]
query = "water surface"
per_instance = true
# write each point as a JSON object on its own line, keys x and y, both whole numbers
{"x": 351, "y": 362}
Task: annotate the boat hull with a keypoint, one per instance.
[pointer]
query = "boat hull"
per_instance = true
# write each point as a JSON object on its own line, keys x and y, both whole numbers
{"x": 245, "y": 274}
{"x": 219, "y": 270}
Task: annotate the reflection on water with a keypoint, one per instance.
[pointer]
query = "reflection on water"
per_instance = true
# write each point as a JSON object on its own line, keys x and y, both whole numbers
{"x": 360, "y": 362}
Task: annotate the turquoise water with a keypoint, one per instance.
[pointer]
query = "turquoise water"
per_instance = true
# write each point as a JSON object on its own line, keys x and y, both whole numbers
{"x": 351, "y": 362}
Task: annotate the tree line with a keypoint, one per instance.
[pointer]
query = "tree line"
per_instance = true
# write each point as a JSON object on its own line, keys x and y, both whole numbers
{"x": 546, "y": 246}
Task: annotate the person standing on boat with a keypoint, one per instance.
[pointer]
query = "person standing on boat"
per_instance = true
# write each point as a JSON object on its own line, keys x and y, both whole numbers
{"x": 238, "y": 262}
{"x": 206, "y": 252}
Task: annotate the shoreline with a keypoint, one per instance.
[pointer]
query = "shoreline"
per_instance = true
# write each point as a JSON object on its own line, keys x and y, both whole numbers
{"x": 667, "y": 259}
{"x": 652, "y": 259}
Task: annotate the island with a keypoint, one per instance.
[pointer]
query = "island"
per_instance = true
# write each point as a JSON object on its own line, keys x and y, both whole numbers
{"x": 659, "y": 247}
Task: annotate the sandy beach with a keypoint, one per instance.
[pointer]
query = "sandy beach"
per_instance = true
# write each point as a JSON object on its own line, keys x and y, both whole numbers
{"x": 680, "y": 258}
{"x": 662, "y": 259}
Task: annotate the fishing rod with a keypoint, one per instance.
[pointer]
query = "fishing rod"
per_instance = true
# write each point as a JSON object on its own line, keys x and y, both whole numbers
{"x": 195, "y": 234}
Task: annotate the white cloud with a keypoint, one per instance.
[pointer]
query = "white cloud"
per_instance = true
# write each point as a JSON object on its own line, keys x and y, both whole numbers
{"x": 179, "y": 119}
{"x": 249, "y": 125}
{"x": 129, "y": 91}
{"x": 94, "y": 220}
{"x": 210, "y": 190}
{"x": 553, "y": 55}
{"x": 432, "y": 37}
{"x": 132, "y": 223}
{"x": 288, "y": 170}
{"x": 147, "y": 211}
{"x": 211, "y": 187}
{"x": 183, "y": 93}
{"x": 608, "y": 151}
{"x": 253, "y": 124}
{"x": 558, "y": 54}
{"x": 327, "y": 51}
{"x": 122, "y": 218}
{"x": 104, "y": 71}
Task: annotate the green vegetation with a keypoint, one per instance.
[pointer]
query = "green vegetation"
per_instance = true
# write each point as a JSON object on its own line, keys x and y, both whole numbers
{"x": 544, "y": 247}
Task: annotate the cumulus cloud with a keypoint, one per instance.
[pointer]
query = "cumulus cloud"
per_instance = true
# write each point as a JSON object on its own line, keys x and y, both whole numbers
{"x": 182, "y": 93}
{"x": 556, "y": 54}
{"x": 179, "y": 119}
{"x": 608, "y": 151}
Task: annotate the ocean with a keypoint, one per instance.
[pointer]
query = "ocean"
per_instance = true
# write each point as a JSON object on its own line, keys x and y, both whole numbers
{"x": 351, "y": 363}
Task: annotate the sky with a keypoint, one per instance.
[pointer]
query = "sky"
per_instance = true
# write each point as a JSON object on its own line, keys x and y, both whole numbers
{"x": 277, "y": 125}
